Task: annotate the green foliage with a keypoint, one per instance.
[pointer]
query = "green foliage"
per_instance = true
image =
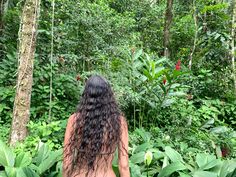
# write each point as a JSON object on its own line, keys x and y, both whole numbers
{"x": 24, "y": 165}
{"x": 7, "y": 90}
{"x": 190, "y": 115}
{"x": 64, "y": 88}
{"x": 51, "y": 134}
{"x": 166, "y": 161}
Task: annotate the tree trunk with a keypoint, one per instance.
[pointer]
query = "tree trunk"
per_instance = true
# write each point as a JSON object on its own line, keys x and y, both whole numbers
{"x": 168, "y": 20}
{"x": 232, "y": 42}
{"x": 195, "y": 36}
{"x": 1, "y": 13}
{"x": 1, "y": 26}
{"x": 21, "y": 111}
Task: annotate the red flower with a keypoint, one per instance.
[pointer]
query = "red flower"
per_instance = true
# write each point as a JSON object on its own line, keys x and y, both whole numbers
{"x": 224, "y": 151}
{"x": 78, "y": 78}
{"x": 164, "y": 81}
{"x": 177, "y": 66}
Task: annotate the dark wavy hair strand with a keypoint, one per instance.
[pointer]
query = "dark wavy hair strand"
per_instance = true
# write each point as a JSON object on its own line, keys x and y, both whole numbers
{"x": 97, "y": 129}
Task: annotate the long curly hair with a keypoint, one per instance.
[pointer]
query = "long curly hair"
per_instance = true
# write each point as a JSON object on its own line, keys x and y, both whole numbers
{"x": 97, "y": 129}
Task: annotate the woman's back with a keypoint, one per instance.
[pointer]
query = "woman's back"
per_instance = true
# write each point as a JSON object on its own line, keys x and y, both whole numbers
{"x": 103, "y": 162}
{"x": 94, "y": 132}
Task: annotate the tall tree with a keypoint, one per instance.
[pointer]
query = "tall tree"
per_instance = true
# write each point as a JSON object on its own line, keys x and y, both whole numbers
{"x": 195, "y": 36}
{"x": 168, "y": 21}
{"x": 1, "y": 24}
{"x": 28, "y": 31}
{"x": 232, "y": 42}
{"x": 1, "y": 13}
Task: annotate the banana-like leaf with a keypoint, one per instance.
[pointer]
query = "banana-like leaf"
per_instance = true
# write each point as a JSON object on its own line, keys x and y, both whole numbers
{"x": 138, "y": 54}
{"x": 23, "y": 159}
{"x": 206, "y": 161}
{"x": 204, "y": 174}
{"x": 52, "y": 158}
{"x": 224, "y": 169}
{"x": 3, "y": 174}
{"x": 143, "y": 147}
{"x": 173, "y": 155}
{"x": 161, "y": 60}
{"x": 135, "y": 170}
{"x": 174, "y": 167}
{"x": 20, "y": 172}
{"x": 7, "y": 157}
{"x": 232, "y": 174}
{"x": 181, "y": 174}
{"x": 137, "y": 158}
{"x": 41, "y": 155}
{"x": 29, "y": 172}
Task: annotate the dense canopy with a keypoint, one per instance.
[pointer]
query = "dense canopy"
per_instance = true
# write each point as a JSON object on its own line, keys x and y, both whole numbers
{"x": 171, "y": 64}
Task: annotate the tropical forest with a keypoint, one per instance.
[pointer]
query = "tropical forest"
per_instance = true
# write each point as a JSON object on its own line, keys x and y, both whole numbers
{"x": 171, "y": 66}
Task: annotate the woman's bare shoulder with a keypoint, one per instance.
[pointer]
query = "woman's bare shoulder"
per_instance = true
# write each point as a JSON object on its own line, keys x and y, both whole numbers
{"x": 72, "y": 119}
{"x": 123, "y": 123}
{"x": 123, "y": 120}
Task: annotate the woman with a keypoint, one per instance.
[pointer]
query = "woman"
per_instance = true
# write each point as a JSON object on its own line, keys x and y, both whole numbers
{"x": 94, "y": 132}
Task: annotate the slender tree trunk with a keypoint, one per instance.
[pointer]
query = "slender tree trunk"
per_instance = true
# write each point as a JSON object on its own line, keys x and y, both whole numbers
{"x": 232, "y": 42}
{"x": 1, "y": 26}
{"x": 168, "y": 21}
{"x": 195, "y": 36}
{"x": 21, "y": 111}
{"x": 1, "y": 13}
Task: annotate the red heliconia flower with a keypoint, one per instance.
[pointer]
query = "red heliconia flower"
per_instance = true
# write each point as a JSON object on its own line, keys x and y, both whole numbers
{"x": 224, "y": 151}
{"x": 164, "y": 81}
{"x": 78, "y": 78}
{"x": 177, "y": 66}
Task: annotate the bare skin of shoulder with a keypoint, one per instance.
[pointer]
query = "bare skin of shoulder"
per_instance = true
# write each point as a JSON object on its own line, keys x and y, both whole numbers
{"x": 103, "y": 167}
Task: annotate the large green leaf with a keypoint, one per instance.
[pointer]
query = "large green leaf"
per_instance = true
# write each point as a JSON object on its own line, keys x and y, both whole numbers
{"x": 138, "y": 54}
{"x": 158, "y": 72}
{"x": 219, "y": 129}
{"x": 142, "y": 147}
{"x": 167, "y": 102}
{"x": 7, "y": 157}
{"x": 3, "y": 174}
{"x": 211, "y": 164}
{"x": 23, "y": 159}
{"x": 173, "y": 155}
{"x": 232, "y": 174}
{"x": 165, "y": 162}
{"x": 157, "y": 154}
{"x": 174, "y": 167}
{"x": 161, "y": 60}
{"x": 20, "y": 172}
{"x": 224, "y": 169}
{"x": 10, "y": 171}
{"x": 206, "y": 161}
{"x": 52, "y": 158}
{"x": 181, "y": 174}
{"x": 204, "y": 174}
{"x": 30, "y": 173}
{"x": 137, "y": 158}
{"x": 178, "y": 94}
{"x": 147, "y": 74}
{"x": 42, "y": 154}
{"x": 146, "y": 136}
{"x": 135, "y": 170}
